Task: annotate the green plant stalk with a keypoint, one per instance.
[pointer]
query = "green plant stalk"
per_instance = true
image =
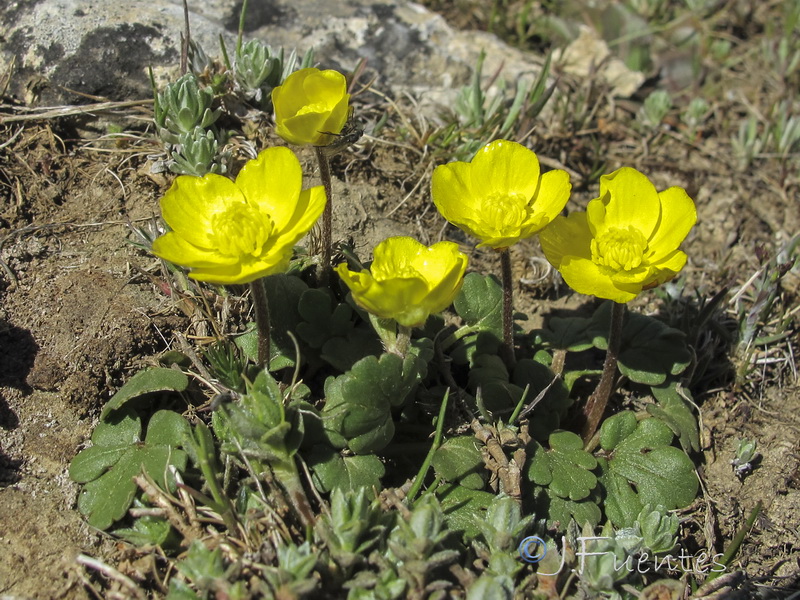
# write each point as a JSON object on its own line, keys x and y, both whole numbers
{"x": 287, "y": 474}
{"x": 206, "y": 459}
{"x": 437, "y": 441}
{"x": 508, "y": 308}
{"x": 736, "y": 542}
{"x": 403, "y": 340}
{"x": 597, "y": 402}
{"x": 261, "y": 307}
{"x": 325, "y": 176}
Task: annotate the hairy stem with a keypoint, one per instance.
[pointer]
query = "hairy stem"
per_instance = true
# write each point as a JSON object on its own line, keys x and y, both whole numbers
{"x": 261, "y": 307}
{"x": 596, "y": 405}
{"x": 325, "y": 176}
{"x": 508, "y": 308}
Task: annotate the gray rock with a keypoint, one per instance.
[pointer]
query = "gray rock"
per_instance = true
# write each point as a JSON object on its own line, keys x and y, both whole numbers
{"x": 104, "y": 47}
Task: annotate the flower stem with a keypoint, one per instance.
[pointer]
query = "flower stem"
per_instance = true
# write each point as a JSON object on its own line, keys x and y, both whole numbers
{"x": 325, "y": 176}
{"x": 403, "y": 340}
{"x": 508, "y": 308}
{"x": 261, "y": 307}
{"x": 596, "y": 405}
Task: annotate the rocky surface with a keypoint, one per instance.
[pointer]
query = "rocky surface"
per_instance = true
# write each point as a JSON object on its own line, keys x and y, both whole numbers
{"x": 105, "y": 47}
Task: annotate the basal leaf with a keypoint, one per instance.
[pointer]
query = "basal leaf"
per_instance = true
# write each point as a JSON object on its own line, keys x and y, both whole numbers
{"x": 144, "y": 382}
{"x": 643, "y": 462}
{"x": 147, "y": 530}
{"x": 568, "y": 333}
{"x": 359, "y": 403}
{"x": 677, "y": 413}
{"x": 167, "y": 428}
{"x": 108, "y": 469}
{"x": 651, "y": 351}
{"x": 121, "y": 427}
{"x": 565, "y": 469}
{"x": 330, "y": 470}
{"x": 106, "y": 499}
{"x": 480, "y": 303}
{"x": 464, "y": 508}
{"x": 343, "y": 352}
{"x": 561, "y": 510}
{"x": 458, "y": 460}
{"x": 552, "y": 408}
{"x": 321, "y": 319}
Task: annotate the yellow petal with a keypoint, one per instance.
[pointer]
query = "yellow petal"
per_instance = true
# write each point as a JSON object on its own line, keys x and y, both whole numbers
{"x": 678, "y": 216}
{"x": 273, "y": 181}
{"x": 243, "y": 272}
{"x": 190, "y": 202}
{"x": 585, "y": 277}
{"x": 338, "y": 116}
{"x": 629, "y": 199}
{"x": 326, "y": 87}
{"x": 566, "y": 236}
{"x": 550, "y": 200}
{"x": 289, "y": 97}
{"x": 308, "y": 103}
{"x": 503, "y": 168}
{"x": 450, "y": 275}
{"x": 451, "y": 191}
{"x": 407, "y": 280}
{"x": 310, "y": 205}
{"x": 174, "y": 248}
{"x": 394, "y": 257}
{"x": 669, "y": 266}
{"x": 304, "y": 130}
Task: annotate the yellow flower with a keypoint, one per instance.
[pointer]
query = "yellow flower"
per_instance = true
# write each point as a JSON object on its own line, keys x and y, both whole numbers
{"x": 236, "y": 232}
{"x": 627, "y": 240}
{"x": 309, "y": 105}
{"x": 500, "y": 197}
{"x": 407, "y": 281}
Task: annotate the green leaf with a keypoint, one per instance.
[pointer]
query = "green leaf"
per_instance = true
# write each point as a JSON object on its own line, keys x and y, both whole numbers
{"x": 343, "y": 352}
{"x": 617, "y": 428}
{"x": 480, "y": 303}
{"x": 568, "y": 333}
{"x": 358, "y": 407}
{"x": 643, "y": 468}
{"x": 330, "y": 470}
{"x": 677, "y": 413}
{"x": 464, "y": 508}
{"x": 499, "y": 395}
{"x": 167, "y": 428}
{"x": 92, "y": 462}
{"x": 458, "y": 460}
{"x": 260, "y": 425}
{"x": 561, "y": 510}
{"x": 122, "y": 427}
{"x": 565, "y": 469}
{"x": 108, "y": 467}
{"x": 144, "y": 382}
{"x": 550, "y": 410}
{"x": 651, "y": 351}
{"x": 147, "y": 530}
{"x": 321, "y": 319}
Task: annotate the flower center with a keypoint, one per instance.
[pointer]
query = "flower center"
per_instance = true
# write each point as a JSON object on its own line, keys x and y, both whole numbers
{"x": 241, "y": 229}
{"x": 502, "y": 212}
{"x": 621, "y": 249}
